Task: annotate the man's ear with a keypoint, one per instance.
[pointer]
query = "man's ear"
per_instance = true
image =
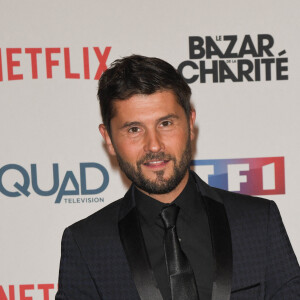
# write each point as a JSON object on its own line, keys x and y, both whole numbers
{"x": 192, "y": 122}
{"x": 107, "y": 139}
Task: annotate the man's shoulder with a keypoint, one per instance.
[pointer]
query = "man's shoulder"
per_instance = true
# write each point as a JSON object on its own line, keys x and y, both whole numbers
{"x": 103, "y": 220}
{"x": 236, "y": 198}
{"x": 245, "y": 207}
{"x": 232, "y": 199}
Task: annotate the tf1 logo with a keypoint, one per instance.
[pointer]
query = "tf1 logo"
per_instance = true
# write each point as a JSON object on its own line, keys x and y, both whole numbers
{"x": 252, "y": 176}
{"x": 21, "y": 186}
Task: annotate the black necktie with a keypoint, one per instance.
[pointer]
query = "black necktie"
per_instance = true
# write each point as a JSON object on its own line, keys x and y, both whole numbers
{"x": 182, "y": 280}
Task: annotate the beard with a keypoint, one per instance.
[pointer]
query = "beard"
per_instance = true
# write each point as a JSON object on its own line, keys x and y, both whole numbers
{"x": 159, "y": 185}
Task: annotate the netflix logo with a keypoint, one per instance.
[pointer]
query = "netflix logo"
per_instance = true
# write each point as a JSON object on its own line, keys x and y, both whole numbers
{"x": 28, "y": 292}
{"x": 35, "y": 63}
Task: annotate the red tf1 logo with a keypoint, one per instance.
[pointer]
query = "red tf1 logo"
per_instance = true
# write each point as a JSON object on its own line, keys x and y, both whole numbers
{"x": 252, "y": 176}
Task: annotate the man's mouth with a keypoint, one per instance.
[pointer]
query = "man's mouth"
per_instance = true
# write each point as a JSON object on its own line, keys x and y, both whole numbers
{"x": 156, "y": 163}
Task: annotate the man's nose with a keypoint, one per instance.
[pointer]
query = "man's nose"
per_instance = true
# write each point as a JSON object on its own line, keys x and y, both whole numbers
{"x": 153, "y": 142}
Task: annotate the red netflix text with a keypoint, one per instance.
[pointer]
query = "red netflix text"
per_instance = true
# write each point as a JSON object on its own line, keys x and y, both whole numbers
{"x": 28, "y": 292}
{"x": 45, "y": 62}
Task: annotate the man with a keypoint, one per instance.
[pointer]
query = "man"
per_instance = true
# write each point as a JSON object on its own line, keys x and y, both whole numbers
{"x": 171, "y": 236}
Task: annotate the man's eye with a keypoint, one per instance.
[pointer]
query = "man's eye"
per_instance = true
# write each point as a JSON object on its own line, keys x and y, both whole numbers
{"x": 134, "y": 129}
{"x": 165, "y": 123}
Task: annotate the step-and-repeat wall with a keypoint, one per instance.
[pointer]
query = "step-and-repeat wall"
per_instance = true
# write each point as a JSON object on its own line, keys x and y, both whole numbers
{"x": 241, "y": 59}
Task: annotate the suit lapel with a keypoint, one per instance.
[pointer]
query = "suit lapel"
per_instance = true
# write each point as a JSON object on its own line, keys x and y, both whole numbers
{"x": 221, "y": 240}
{"x": 135, "y": 250}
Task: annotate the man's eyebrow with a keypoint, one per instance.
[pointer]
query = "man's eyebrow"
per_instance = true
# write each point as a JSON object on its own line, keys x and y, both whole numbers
{"x": 136, "y": 123}
{"x": 129, "y": 124}
{"x": 169, "y": 116}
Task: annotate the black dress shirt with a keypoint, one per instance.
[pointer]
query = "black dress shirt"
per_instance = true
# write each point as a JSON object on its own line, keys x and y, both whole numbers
{"x": 193, "y": 232}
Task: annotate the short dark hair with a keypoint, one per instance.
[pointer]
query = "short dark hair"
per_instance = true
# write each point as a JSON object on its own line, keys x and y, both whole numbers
{"x": 143, "y": 75}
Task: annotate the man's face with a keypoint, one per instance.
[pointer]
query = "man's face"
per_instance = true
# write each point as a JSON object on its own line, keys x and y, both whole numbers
{"x": 151, "y": 137}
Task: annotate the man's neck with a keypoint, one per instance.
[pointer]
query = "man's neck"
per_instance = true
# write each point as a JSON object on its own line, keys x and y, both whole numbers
{"x": 171, "y": 196}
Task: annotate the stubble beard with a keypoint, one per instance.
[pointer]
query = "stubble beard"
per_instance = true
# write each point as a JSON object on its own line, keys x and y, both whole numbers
{"x": 159, "y": 185}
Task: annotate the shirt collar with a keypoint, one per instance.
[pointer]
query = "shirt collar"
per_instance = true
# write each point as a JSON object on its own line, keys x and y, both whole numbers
{"x": 150, "y": 208}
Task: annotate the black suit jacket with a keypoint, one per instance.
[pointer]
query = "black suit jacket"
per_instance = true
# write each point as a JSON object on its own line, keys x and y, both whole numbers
{"x": 104, "y": 256}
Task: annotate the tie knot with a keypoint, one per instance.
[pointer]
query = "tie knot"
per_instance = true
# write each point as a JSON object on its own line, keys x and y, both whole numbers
{"x": 169, "y": 215}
